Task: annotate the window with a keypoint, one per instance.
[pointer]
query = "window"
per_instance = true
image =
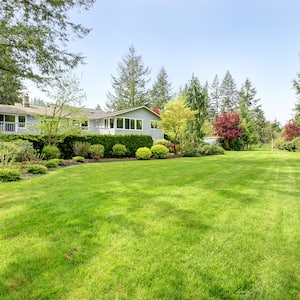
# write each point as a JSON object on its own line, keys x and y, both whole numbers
{"x": 21, "y": 121}
{"x": 127, "y": 124}
{"x": 111, "y": 123}
{"x": 132, "y": 124}
{"x": 9, "y": 118}
{"x": 119, "y": 122}
{"x": 154, "y": 124}
{"x": 106, "y": 123}
{"x": 139, "y": 124}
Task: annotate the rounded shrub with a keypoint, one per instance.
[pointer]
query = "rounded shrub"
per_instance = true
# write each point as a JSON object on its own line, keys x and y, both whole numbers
{"x": 297, "y": 143}
{"x": 119, "y": 150}
{"x": 78, "y": 159}
{"x": 25, "y": 150}
{"x": 36, "y": 169}
{"x": 158, "y": 151}
{"x": 143, "y": 153}
{"x": 50, "y": 152}
{"x": 163, "y": 142}
{"x": 8, "y": 174}
{"x": 53, "y": 163}
{"x": 188, "y": 150}
{"x": 204, "y": 150}
{"x": 216, "y": 149}
{"x": 96, "y": 151}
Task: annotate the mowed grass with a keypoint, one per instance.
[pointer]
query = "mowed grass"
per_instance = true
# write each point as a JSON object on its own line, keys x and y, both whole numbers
{"x": 221, "y": 227}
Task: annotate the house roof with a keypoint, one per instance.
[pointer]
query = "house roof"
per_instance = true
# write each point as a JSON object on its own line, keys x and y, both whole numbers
{"x": 93, "y": 114}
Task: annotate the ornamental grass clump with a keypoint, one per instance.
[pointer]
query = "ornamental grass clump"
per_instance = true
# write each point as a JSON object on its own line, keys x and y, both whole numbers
{"x": 143, "y": 153}
{"x": 158, "y": 151}
{"x": 97, "y": 151}
{"x": 81, "y": 148}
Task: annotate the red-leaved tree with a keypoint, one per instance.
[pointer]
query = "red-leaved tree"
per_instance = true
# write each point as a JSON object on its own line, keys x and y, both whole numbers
{"x": 291, "y": 131}
{"x": 227, "y": 126}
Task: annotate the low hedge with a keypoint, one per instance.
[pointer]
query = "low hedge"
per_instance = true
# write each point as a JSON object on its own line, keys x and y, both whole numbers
{"x": 131, "y": 141}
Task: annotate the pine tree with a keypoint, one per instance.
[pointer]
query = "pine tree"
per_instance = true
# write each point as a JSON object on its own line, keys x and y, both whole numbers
{"x": 214, "y": 98}
{"x": 161, "y": 90}
{"x": 130, "y": 84}
{"x": 228, "y": 93}
{"x": 197, "y": 101}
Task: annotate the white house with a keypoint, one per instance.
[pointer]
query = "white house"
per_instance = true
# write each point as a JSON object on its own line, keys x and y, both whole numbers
{"x": 20, "y": 119}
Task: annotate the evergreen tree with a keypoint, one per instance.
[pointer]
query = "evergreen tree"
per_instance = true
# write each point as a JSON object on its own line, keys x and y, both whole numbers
{"x": 130, "y": 84}
{"x": 161, "y": 90}
{"x": 197, "y": 101}
{"x": 214, "y": 98}
{"x": 228, "y": 93}
{"x": 10, "y": 88}
{"x": 296, "y": 84}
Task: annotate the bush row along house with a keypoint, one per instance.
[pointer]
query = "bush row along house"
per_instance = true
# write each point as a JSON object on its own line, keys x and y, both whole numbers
{"x": 22, "y": 119}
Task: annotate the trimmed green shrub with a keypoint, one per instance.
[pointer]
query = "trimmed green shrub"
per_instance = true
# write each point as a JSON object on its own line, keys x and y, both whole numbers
{"x": 119, "y": 150}
{"x": 78, "y": 158}
{"x": 96, "y": 151}
{"x": 289, "y": 146}
{"x": 296, "y": 142}
{"x": 158, "y": 151}
{"x": 204, "y": 150}
{"x": 216, "y": 149}
{"x": 188, "y": 150}
{"x": 163, "y": 142}
{"x": 143, "y": 153}
{"x": 81, "y": 148}
{"x": 8, "y": 174}
{"x": 35, "y": 169}
{"x": 50, "y": 152}
{"x": 53, "y": 163}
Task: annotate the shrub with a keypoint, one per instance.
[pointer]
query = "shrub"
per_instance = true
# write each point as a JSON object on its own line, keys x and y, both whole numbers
{"x": 204, "y": 150}
{"x": 78, "y": 158}
{"x": 35, "y": 169}
{"x": 96, "y": 151}
{"x": 25, "y": 151}
{"x": 119, "y": 150}
{"x": 8, "y": 152}
{"x": 216, "y": 149}
{"x": 188, "y": 150}
{"x": 296, "y": 142}
{"x": 50, "y": 152}
{"x": 143, "y": 153}
{"x": 289, "y": 146}
{"x": 158, "y": 151}
{"x": 53, "y": 163}
{"x": 163, "y": 142}
{"x": 81, "y": 148}
{"x": 8, "y": 174}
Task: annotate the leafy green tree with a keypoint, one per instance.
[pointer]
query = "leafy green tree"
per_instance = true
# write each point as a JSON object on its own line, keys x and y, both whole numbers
{"x": 67, "y": 113}
{"x": 161, "y": 90}
{"x": 228, "y": 93}
{"x": 130, "y": 84}
{"x": 10, "y": 88}
{"x": 174, "y": 118}
{"x": 197, "y": 101}
{"x": 34, "y": 35}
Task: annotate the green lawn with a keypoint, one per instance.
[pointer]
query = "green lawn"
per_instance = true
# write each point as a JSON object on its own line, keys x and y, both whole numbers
{"x": 221, "y": 227}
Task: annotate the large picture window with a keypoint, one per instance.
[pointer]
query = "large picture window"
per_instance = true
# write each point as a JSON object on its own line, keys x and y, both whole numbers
{"x": 120, "y": 123}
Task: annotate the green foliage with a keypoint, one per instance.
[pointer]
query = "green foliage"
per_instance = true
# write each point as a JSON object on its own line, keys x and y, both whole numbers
{"x": 81, "y": 148}
{"x": 25, "y": 151}
{"x": 296, "y": 142}
{"x": 143, "y": 153}
{"x": 50, "y": 152}
{"x": 163, "y": 142}
{"x": 119, "y": 150}
{"x": 288, "y": 145}
{"x": 8, "y": 152}
{"x": 53, "y": 163}
{"x": 211, "y": 149}
{"x": 158, "y": 151}
{"x": 130, "y": 87}
{"x": 35, "y": 169}
{"x": 131, "y": 141}
{"x": 97, "y": 151}
{"x": 188, "y": 150}
{"x": 78, "y": 159}
{"x": 9, "y": 174}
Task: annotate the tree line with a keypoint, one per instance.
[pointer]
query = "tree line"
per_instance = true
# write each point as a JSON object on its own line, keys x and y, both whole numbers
{"x": 221, "y": 99}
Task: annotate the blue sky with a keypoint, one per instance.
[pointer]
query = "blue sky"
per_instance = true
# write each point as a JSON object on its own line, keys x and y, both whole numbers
{"x": 257, "y": 39}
